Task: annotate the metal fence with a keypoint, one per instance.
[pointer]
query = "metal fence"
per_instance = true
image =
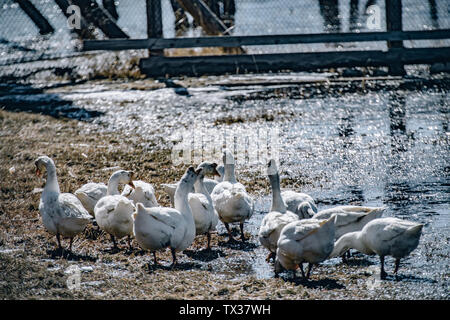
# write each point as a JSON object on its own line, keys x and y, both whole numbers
{"x": 21, "y": 41}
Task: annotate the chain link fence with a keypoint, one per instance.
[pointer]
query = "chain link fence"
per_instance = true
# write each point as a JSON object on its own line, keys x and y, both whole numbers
{"x": 21, "y": 41}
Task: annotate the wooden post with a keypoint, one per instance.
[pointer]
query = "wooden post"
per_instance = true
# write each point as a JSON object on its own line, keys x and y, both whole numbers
{"x": 110, "y": 6}
{"x": 154, "y": 23}
{"x": 100, "y": 18}
{"x": 204, "y": 16}
{"x": 394, "y": 23}
{"x": 84, "y": 32}
{"x": 34, "y": 14}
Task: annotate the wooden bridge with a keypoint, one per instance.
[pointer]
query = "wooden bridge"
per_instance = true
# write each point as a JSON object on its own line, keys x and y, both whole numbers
{"x": 158, "y": 65}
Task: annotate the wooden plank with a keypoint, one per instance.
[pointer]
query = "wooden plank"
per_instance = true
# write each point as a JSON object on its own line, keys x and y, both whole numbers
{"x": 210, "y": 65}
{"x": 204, "y": 16}
{"x": 394, "y": 23}
{"x": 110, "y": 6}
{"x": 154, "y": 23}
{"x": 98, "y": 16}
{"x": 39, "y": 20}
{"x": 84, "y": 32}
{"x": 235, "y": 41}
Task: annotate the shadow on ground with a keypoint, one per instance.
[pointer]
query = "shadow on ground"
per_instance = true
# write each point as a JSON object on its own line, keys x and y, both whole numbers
{"x": 25, "y": 98}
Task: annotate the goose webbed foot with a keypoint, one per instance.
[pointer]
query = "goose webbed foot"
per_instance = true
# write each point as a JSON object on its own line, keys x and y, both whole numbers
{"x": 270, "y": 256}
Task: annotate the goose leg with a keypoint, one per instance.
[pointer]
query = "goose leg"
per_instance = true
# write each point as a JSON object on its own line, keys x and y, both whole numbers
{"x": 241, "y": 226}
{"x": 114, "y": 242}
{"x": 174, "y": 258}
{"x": 301, "y": 269}
{"x": 227, "y": 226}
{"x": 397, "y": 264}
{"x": 383, "y": 273}
{"x": 58, "y": 239}
{"x": 310, "y": 266}
{"x": 208, "y": 236}
{"x": 129, "y": 243}
{"x": 70, "y": 244}
{"x": 154, "y": 258}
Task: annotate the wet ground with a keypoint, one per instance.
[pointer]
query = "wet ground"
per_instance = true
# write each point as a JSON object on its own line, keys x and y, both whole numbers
{"x": 374, "y": 142}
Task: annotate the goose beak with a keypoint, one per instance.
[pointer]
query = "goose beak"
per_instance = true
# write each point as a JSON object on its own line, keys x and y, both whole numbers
{"x": 131, "y": 184}
{"x": 38, "y": 172}
{"x": 216, "y": 173}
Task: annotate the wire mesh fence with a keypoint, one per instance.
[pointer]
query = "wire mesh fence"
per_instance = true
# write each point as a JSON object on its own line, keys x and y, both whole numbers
{"x": 21, "y": 41}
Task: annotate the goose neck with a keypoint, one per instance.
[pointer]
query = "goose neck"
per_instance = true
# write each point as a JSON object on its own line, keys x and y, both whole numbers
{"x": 51, "y": 184}
{"x": 113, "y": 186}
{"x": 277, "y": 201}
{"x": 351, "y": 240}
{"x": 229, "y": 173}
{"x": 181, "y": 202}
{"x": 199, "y": 187}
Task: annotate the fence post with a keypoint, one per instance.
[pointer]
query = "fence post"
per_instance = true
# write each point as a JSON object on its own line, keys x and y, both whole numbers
{"x": 394, "y": 23}
{"x": 34, "y": 14}
{"x": 98, "y": 16}
{"x": 154, "y": 23}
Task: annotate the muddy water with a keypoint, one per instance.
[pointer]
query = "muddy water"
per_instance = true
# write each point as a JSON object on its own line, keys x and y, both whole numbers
{"x": 378, "y": 148}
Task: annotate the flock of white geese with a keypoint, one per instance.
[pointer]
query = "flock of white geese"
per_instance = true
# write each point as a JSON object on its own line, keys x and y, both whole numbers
{"x": 294, "y": 231}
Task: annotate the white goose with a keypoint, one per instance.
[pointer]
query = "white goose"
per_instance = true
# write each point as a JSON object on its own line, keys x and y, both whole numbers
{"x": 90, "y": 193}
{"x": 200, "y": 202}
{"x": 113, "y": 213}
{"x": 210, "y": 169}
{"x": 159, "y": 227}
{"x": 350, "y": 218}
{"x": 142, "y": 192}
{"x": 306, "y": 240}
{"x": 230, "y": 199}
{"x": 62, "y": 213}
{"x": 384, "y": 237}
{"x": 293, "y": 200}
{"x": 278, "y": 217}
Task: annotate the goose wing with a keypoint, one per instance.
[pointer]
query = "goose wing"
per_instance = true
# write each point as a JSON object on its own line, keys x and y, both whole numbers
{"x": 71, "y": 207}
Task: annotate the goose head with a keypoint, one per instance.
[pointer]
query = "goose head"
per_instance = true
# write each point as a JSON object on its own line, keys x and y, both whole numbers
{"x": 305, "y": 210}
{"x": 227, "y": 157}
{"x": 123, "y": 176}
{"x": 272, "y": 168}
{"x": 200, "y": 174}
{"x": 209, "y": 168}
{"x": 42, "y": 163}
{"x": 189, "y": 176}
